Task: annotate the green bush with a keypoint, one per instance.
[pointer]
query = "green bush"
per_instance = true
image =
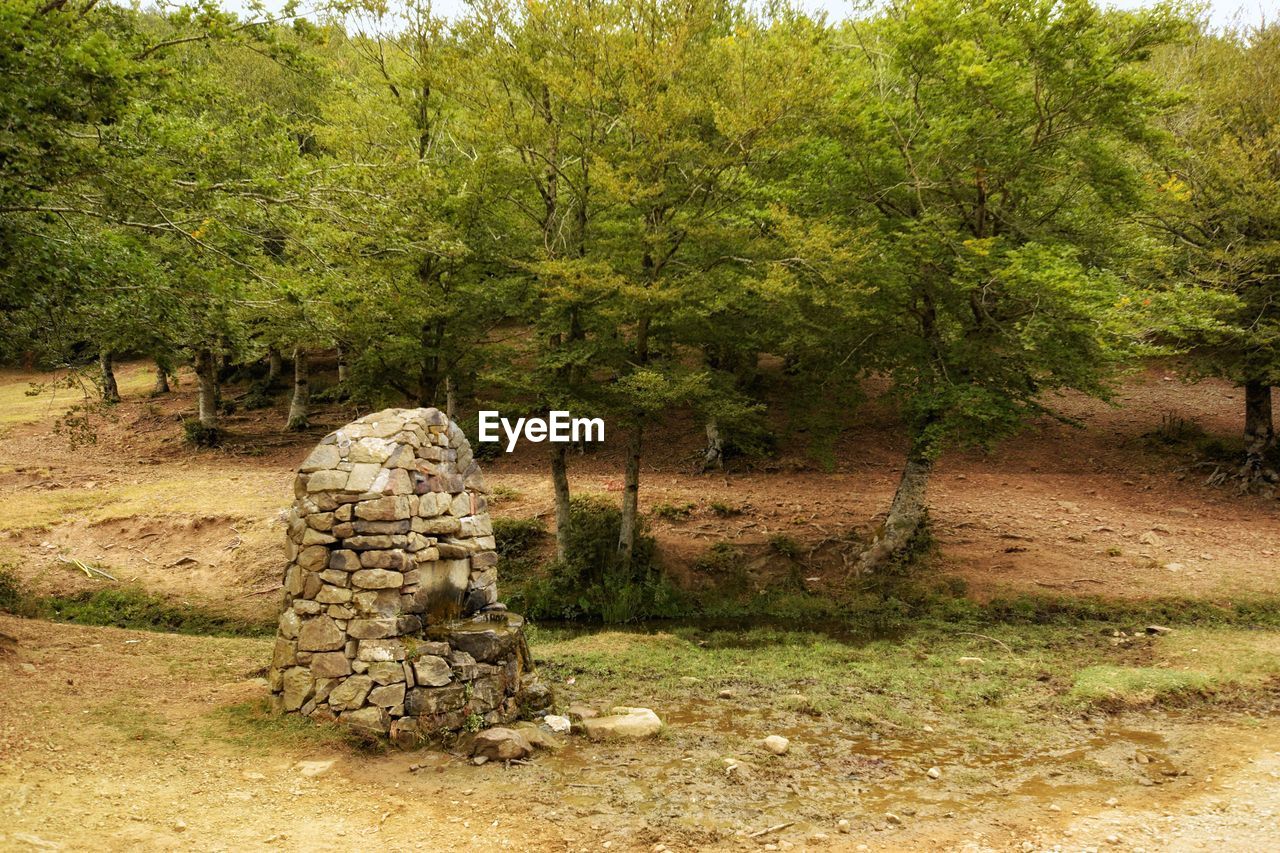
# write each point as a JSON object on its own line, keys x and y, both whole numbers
{"x": 516, "y": 537}
{"x": 591, "y": 583}
{"x": 14, "y": 598}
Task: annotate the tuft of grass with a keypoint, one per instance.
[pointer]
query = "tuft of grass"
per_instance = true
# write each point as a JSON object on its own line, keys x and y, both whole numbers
{"x": 725, "y": 510}
{"x": 784, "y": 546}
{"x": 673, "y": 512}
{"x": 501, "y": 494}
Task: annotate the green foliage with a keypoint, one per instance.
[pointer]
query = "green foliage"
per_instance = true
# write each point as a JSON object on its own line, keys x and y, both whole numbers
{"x": 591, "y": 583}
{"x": 516, "y": 537}
{"x": 14, "y": 598}
{"x": 784, "y": 546}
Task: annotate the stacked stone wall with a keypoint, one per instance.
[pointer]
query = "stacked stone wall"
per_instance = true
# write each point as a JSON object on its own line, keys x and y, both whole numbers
{"x": 390, "y": 618}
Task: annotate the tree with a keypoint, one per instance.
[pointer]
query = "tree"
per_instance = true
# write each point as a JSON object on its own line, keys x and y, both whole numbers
{"x": 1219, "y": 207}
{"x": 988, "y": 150}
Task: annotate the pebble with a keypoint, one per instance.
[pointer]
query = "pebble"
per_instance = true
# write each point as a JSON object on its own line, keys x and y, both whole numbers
{"x": 935, "y": 773}
{"x": 893, "y": 818}
{"x": 556, "y": 723}
{"x": 777, "y": 744}
{"x": 726, "y": 694}
{"x": 1113, "y": 802}
{"x": 1054, "y": 807}
{"x": 843, "y": 825}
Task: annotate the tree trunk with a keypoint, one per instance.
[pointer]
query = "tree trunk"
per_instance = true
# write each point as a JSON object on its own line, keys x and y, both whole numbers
{"x": 560, "y": 480}
{"x": 1259, "y": 430}
{"x": 344, "y": 371}
{"x": 298, "y": 408}
{"x": 713, "y": 455}
{"x": 450, "y": 398}
{"x": 631, "y": 478}
{"x": 110, "y": 390}
{"x": 275, "y": 366}
{"x": 206, "y": 368}
{"x": 631, "y": 495}
{"x": 162, "y": 378}
{"x": 906, "y": 514}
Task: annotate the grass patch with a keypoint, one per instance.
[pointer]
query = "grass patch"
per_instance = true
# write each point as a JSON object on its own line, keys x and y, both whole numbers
{"x": 252, "y": 725}
{"x": 129, "y": 607}
{"x": 1119, "y": 688}
{"x": 1029, "y": 681}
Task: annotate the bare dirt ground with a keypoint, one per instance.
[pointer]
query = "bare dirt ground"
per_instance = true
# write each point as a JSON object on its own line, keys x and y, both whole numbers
{"x": 1083, "y": 511}
{"x": 114, "y": 739}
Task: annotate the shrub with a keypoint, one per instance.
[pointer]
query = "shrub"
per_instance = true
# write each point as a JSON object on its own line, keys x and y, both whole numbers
{"x": 14, "y": 598}
{"x": 591, "y": 583}
{"x": 515, "y": 537}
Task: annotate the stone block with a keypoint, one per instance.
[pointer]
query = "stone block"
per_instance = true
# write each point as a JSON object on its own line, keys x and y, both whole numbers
{"x": 320, "y": 634}
{"x": 386, "y": 672}
{"x": 484, "y": 560}
{"x": 313, "y": 558}
{"x": 432, "y": 671}
{"x": 395, "y": 560}
{"x": 298, "y": 687}
{"x": 327, "y": 481}
{"x": 434, "y": 700}
{"x": 377, "y": 579}
{"x": 372, "y": 629}
{"x": 351, "y": 693}
{"x": 391, "y": 508}
{"x": 330, "y": 665}
{"x": 374, "y": 651}
{"x": 362, "y": 477}
{"x": 330, "y": 594}
{"x": 324, "y": 456}
{"x": 387, "y": 696}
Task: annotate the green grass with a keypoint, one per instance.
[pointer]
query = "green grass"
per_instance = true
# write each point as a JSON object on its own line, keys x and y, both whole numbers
{"x": 1031, "y": 682}
{"x": 128, "y": 607}
{"x": 253, "y": 726}
{"x": 1127, "y": 687}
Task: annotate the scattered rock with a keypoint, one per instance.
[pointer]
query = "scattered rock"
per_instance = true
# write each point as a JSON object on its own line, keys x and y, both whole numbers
{"x": 777, "y": 744}
{"x": 893, "y": 818}
{"x": 726, "y": 694}
{"x": 970, "y": 661}
{"x": 1112, "y": 802}
{"x": 577, "y": 711}
{"x": 1150, "y": 538}
{"x": 623, "y": 722}
{"x": 501, "y": 744}
{"x": 843, "y": 825}
{"x": 1158, "y": 629}
{"x": 935, "y": 773}
{"x": 314, "y": 768}
{"x": 557, "y": 724}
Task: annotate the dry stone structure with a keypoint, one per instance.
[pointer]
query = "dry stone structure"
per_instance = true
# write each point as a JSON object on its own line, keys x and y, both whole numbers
{"x": 390, "y": 618}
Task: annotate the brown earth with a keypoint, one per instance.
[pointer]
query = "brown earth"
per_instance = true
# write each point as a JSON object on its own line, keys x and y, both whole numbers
{"x": 122, "y": 740}
{"x": 115, "y": 739}
{"x": 1099, "y": 510}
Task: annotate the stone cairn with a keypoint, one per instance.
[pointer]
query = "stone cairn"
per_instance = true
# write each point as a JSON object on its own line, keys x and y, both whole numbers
{"x": 390, "y": 620}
